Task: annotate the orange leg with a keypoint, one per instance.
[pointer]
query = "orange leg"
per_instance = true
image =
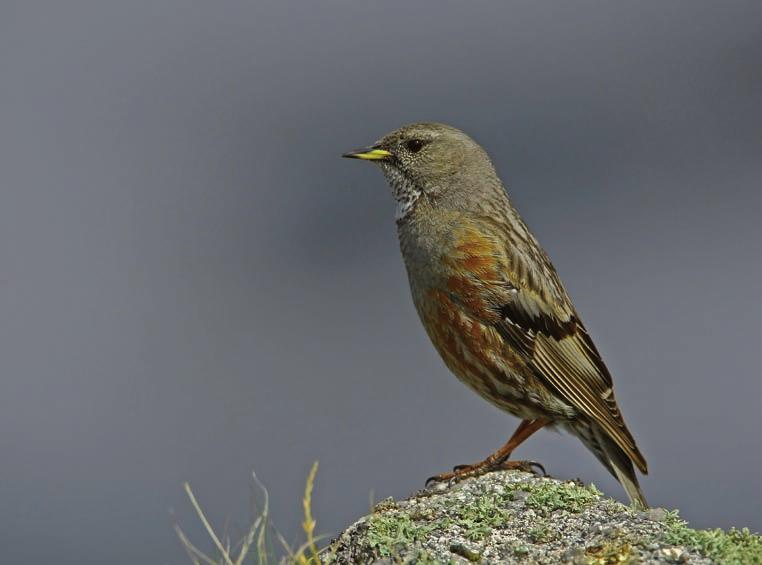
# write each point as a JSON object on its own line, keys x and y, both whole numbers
{"x": 498, "y": 459}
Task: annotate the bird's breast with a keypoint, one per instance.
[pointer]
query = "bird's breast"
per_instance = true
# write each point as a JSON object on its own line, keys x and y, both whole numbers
{"x": 474, "y": 352}
{"x": 455, "y": 279}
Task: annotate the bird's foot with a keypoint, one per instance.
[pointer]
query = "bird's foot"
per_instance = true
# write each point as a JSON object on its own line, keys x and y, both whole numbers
{"x": 461, "y": 472}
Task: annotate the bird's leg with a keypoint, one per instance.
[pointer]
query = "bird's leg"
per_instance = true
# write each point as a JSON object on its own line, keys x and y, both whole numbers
{"x": 499, "y": 459}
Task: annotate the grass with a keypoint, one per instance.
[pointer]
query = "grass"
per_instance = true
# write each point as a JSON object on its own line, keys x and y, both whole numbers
{"x": 253, "y": 547}
{"x": 309, "y": 554}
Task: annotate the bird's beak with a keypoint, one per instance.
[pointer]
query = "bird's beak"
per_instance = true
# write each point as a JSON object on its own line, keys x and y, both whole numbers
{"x": 369, "y": 154}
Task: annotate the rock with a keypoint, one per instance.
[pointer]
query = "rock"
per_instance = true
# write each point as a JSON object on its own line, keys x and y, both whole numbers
{"x": 515, "y": 517}
{"x": 657, "y": 514}
{"x": 573, "y": 555}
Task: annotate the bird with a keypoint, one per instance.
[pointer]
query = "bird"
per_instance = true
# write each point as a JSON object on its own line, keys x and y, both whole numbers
{"x": 492, "y": 303}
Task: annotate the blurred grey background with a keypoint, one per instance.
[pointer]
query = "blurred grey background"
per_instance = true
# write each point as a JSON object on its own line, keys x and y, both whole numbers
{"x": 194, "y": 286}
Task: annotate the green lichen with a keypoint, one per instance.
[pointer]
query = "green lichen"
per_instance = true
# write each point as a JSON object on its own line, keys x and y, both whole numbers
{"x": 520, "y": 551}
{"x": 549, "y": 497}
{"x": 482, "y": 516}
{"x": 731, "y": 547}
{"x": 391, "y": 531}
{"x": 541, "y": 533}
{"x": 421, "y": 557}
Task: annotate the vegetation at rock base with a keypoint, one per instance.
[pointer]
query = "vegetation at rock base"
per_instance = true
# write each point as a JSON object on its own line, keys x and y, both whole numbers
{"x": 734, "y": 546}
{"x": 255, "y": 546}
{"x": 501, "y": 517}
{"x": 519, "y": 518}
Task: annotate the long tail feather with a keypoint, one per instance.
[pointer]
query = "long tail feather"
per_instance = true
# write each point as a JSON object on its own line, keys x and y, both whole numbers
{"x": 614, "y": 459}
{"x": 623, "y": 470}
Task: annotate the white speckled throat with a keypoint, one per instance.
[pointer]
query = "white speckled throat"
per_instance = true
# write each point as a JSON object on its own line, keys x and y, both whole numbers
{"x": 405, "y": 192}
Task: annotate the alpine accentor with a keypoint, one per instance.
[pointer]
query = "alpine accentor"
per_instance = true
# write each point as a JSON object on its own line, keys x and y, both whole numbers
{"x": 491, "y": 301}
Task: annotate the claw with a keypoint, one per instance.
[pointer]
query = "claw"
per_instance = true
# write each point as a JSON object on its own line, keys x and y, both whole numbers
{"x": 533, "y": 467}
{"x": 434, "y": 479}
{"x": 539, "y": 466}
{"x": 449, "y": 478}
{"x": 460, "y": 472}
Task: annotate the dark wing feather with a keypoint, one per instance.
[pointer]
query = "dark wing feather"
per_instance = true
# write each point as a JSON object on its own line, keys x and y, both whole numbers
{"x": 564, "y": 356}
{"x": 537, "y": 319}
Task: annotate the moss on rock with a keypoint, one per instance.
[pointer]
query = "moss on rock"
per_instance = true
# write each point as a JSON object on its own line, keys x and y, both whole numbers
{"x": 515, "y": 517}
{"x": 733, "y": 546}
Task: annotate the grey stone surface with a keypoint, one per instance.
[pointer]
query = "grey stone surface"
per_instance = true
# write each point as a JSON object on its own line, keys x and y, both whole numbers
{"x": 514, "y": 517}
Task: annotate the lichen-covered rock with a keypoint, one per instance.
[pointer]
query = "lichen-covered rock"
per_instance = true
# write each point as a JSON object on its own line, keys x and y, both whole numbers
{"x": 514, "y": 517}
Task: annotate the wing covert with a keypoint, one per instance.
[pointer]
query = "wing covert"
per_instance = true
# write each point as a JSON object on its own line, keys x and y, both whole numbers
{"x": 526, "y": 303}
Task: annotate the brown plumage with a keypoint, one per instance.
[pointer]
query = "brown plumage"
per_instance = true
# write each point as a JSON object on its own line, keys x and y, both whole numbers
{"x": 491, "y": 301}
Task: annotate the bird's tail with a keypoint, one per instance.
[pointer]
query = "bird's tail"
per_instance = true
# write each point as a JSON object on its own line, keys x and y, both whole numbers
{"x": 614, "y": 459}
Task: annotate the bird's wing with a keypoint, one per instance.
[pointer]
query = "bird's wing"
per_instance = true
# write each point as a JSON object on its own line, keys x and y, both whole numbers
{"x": 522, "y": 297}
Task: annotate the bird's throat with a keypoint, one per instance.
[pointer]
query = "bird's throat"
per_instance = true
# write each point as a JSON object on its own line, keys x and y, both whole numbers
{"x": 405, "y": 192}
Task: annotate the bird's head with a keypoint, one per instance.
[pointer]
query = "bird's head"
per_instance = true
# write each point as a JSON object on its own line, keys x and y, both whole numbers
{"x": 428, "y": 160}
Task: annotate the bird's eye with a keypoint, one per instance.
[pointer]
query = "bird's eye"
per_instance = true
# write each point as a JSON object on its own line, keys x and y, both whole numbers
{"x": 415, "y": 145}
